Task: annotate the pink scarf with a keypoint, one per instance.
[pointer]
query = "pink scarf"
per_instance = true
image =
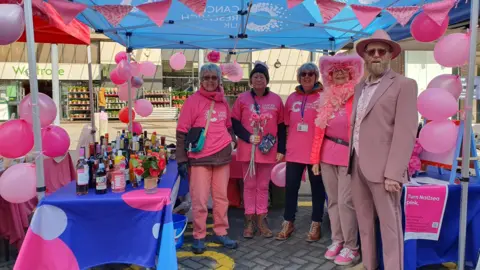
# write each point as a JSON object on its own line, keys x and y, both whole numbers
{"x": 335, "y": 97}
{"x": 217, "y": 95}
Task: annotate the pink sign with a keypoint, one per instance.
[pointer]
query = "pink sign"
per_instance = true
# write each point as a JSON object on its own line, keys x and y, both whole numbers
{"x": 424, "y": 209}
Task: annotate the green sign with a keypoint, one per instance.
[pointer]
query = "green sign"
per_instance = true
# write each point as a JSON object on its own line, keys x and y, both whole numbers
{"x": 23, "y": 70}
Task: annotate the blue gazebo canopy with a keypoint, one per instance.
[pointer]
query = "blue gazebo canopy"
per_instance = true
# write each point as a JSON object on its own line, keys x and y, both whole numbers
{"x": 270, "y": 25}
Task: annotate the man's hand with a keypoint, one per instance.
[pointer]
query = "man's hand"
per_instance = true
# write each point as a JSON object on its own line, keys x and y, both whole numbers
{"x": 254, "y": 139}
{"x": 279, "y": 157}
{"x": 392, "y": 185}
{"x": 316, "y": 169}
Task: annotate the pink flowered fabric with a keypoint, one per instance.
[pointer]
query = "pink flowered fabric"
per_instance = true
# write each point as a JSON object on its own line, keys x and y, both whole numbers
{"x": 114, "y": 14}
{"x": 329, "y": 9}
{"x": 438, "y": 11}
{"x": 363, "y": 102}
{"x": 365, "y": 14}
{"x": 197, "y": 6}
{"x": 403, "y": 14}
{"x": 415, "y": 163}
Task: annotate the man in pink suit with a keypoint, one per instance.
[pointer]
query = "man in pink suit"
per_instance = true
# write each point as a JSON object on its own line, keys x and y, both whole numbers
{"x": 384, "y": 126}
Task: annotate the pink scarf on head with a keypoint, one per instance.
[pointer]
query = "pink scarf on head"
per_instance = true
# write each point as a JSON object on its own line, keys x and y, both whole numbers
{"x": 335, "y": 97}
{"x": 217, "y": 95}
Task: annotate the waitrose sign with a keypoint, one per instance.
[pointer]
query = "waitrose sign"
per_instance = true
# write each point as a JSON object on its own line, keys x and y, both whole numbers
{"x": 66, "y": 72}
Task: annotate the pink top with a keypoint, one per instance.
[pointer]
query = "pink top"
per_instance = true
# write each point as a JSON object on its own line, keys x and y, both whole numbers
{"x": 334, "y": 153}
{"x": 194, "y": 114}
{"x": 299, "y": 143}
{"x": 243, "y": 109}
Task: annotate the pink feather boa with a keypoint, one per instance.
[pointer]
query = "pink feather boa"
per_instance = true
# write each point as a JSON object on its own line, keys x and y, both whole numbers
{"x": 333, "y": 100}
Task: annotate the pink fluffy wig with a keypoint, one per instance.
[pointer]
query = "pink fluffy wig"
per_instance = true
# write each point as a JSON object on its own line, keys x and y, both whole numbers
{"x": 353, "y": 63}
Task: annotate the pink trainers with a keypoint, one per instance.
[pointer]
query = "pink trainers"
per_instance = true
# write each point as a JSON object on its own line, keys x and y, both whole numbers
{"x": 347, "y": 257}
{"x": 333, "y": 250}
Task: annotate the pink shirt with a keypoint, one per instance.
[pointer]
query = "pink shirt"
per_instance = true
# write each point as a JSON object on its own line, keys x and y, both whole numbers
{"x": 194, "y": 114}
{"x": 299, "y": 143}
{"x": 334, "y": 153}
{"x": 243, "y": 110}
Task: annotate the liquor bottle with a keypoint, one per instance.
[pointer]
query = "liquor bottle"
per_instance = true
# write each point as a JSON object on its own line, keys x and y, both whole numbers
{"x": 107, "y": 137}
{"x": 132, "y": 177}
{"x": 153, "y": 140}
{"x": 82, "y": 173}
{"x": 91, "y": 167}
{"x": 117, "y": 140}
{"x": 118, "y": 175}
{"x": 140, "y": 143}
{"x": 101, "y": 180}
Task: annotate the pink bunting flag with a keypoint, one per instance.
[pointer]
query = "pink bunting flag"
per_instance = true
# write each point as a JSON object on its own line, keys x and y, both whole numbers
{"x": 294, "y": 3}
{"x": 365, "y": 14}
{"x": 329, "y": 9}
{"x": 438, "y": 11}
{"x": 113, "y": 13}
{"x": 38, "y": 10}
{"x": 67, "y": 10}
{"x": 197, "y": 6}
{"x": 403, "y": 14}
{"x": 156, "y": 11}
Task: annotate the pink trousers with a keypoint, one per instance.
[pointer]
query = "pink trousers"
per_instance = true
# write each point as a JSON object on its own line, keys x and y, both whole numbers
{"x": 343, "y": 219}
{"x": 203, "y": 180}
{"x": 255, "y": 189}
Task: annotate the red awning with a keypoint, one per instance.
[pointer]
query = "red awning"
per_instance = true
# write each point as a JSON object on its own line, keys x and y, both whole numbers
{"x": 50, "y": 28}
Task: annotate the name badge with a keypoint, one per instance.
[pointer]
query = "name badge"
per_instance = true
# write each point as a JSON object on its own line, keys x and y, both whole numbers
{"x": 302, "y": 127}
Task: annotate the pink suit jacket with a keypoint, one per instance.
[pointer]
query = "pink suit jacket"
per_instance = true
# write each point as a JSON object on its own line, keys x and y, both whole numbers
{"x": 388, "y": 130}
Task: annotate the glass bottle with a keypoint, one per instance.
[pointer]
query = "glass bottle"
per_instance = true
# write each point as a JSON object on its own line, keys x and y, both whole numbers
{"x": 101, "y": 180}
{"x": 118, "y": 175}
{"x": 82, "y": 173}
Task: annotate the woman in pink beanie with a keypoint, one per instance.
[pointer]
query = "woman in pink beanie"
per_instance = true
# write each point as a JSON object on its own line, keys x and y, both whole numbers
{"x": 340, "y": 74}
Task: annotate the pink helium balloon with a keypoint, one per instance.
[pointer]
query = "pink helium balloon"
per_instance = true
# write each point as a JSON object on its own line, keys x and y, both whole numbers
{"x": 452, "y": 50}
{"x": 137, "y": 82}
{"x": 450, "y": 83}
{"x": 278, "y": 174}
{"x": 123, "y": 92}
{"x": 120, "y": 57}
{"x": 137, "y": 127}
{"x": 436, "y": 104}
{"x": 18, "y": 183}
{"x": 235, "y": 78}
{"x": 124, "y": 70}
{"x": 46, "y": 106}
{"x": 55, "y": 141}
{"x": 178, "y": 61}
{"x": 438, "y": 136}
{"x": 143, "y": 107}
{"x": 12, "y": 22}
{"x": 136, "y": 68}
{"x": 16, "y": 138}
{"x": 148, "y": 69}
{"x": 425, "y": 29}
{"x": 115, "y": 78}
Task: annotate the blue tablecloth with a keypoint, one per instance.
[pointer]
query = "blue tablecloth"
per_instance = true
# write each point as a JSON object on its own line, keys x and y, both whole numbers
{"x": 70, "y": 232}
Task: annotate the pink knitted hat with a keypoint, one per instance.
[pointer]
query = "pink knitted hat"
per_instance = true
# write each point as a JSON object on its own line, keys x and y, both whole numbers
{"x": 353, "y": 63}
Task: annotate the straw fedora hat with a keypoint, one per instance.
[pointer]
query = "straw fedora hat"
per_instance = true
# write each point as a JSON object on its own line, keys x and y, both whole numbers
{"x": 379, "y": 36}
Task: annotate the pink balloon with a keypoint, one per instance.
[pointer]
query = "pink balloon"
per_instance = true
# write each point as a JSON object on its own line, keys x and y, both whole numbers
{"x": 438, "y": 136}
{"x": 148, "y": 69}
{"x": 425, "y": 29}
{"x": 137, "y": 82}
{"x": 178, "y": 61}
{"x": 18, "y": 183}
{"x": 235, "y": 78}
{"x": 115, "y": 78}
{"x": 120, "y": 57}
{"x": 123, "y": 92}
{"x": 46, "y": 107}
{"x": 278, "y": 175}
{"x": 143, "y": 107}
{"x": 436, "y": 104}
{"x": 450, "y": 83}
{"x": 136, "y": 69}
{"x": 12, "y": 22}
{"x": 452, "y": 50}
{"x": 137, "y": 127}
{"x": 55, "y": 141}
{"x": 16, "y": 138}
{"x": 124, "y": 70}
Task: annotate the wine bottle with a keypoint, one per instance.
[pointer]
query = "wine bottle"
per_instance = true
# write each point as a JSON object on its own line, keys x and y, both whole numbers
{"x": 82, "y": 173}
{"x": 101, "y": 180}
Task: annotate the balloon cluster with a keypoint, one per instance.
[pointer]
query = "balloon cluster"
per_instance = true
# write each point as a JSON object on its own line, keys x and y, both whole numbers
{"x": 18, "y": 182}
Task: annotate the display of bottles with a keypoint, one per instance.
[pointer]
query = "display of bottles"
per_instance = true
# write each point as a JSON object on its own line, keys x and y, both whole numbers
{"x": 101, "y": 179}
{"x": 82, "y": 173}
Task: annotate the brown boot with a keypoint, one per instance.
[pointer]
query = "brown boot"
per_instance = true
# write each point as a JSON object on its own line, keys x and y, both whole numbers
{"x": 249, "y": 228}
{"x": 286, "y": 232}
{"x": 262, "y": 225}
{"x": 315, "y": 232}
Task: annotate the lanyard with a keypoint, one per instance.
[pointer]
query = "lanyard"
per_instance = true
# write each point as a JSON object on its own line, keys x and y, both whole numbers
{"x": 255, "y": 104}
{"x": 303, "y": 106}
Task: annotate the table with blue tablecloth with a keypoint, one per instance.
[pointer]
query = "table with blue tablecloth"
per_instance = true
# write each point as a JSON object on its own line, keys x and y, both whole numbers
{"x": 70, "y": 232}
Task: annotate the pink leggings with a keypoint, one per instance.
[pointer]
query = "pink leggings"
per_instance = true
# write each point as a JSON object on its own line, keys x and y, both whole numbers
{"x": 255, "y": 189}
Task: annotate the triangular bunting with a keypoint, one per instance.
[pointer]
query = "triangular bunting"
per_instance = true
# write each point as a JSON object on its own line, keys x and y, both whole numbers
{"x": 67, "y": 10}
{"x": 197, "y": 6}
{"x": 294, "y": 3}
{"x": 403, "y": 14}
{"x": 38, "y": 10}
{"x": 113, "y": 13}
{"x": 365, "y": 14}
{"x": 329, "y": 9}
{"x": 438, "y": 11}
{"x": 156, "y": 11}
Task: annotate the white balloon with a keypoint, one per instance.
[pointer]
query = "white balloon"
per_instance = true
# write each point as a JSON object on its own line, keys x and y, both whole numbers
{"x": 12, "y": 22}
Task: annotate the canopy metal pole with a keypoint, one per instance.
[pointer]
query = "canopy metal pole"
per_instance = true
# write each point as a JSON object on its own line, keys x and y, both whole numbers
{"x": 129, "y": 83}
{"x": 32, "y": 71}
{"x": 467, "y": 133}
{"x": 91, "y": 92}
{"x": 55, "y": 81}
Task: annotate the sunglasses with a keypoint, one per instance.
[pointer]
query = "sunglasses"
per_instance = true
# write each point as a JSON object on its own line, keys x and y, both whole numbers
{"x": 208, "y": 78}
{"x": 309, "y": 74}
{"x": 372, "y": 52}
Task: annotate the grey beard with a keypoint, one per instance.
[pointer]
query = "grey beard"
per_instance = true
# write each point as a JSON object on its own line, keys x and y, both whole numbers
{"x": 377, "y": 69}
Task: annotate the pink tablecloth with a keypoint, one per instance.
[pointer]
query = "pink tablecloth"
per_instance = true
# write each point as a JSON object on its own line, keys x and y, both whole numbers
{"x": 14, "y": 217}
